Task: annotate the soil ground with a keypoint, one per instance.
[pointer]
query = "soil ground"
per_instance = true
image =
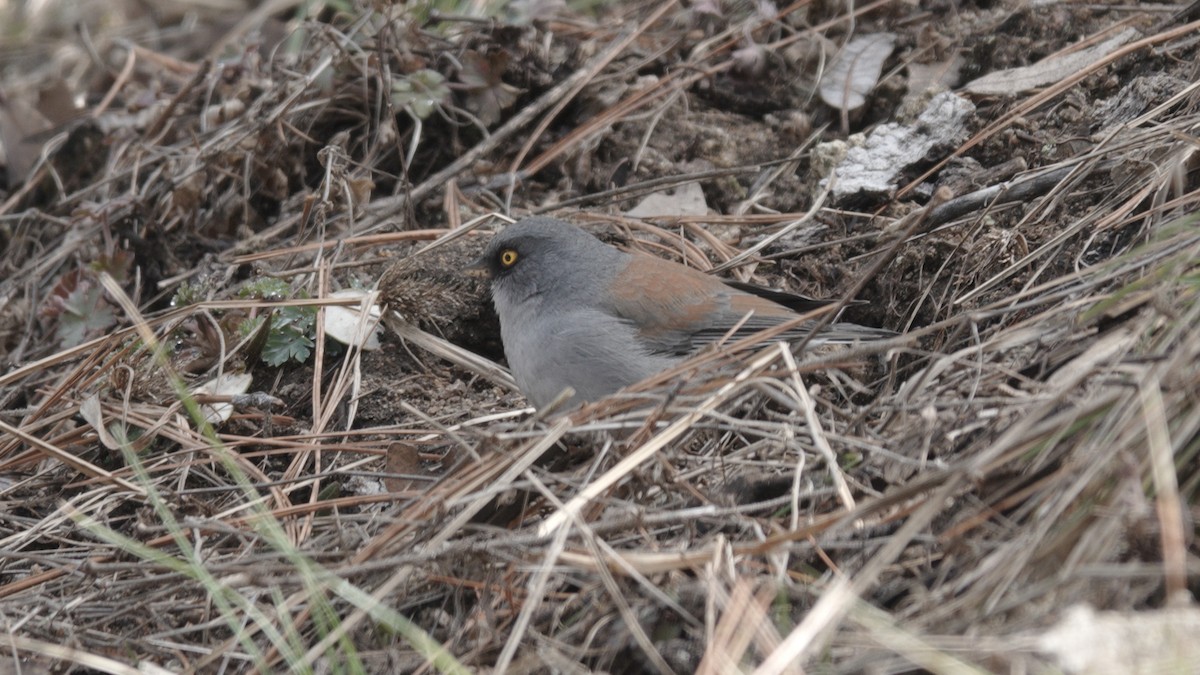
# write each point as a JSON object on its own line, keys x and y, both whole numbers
{"x": 1004, "y": 487}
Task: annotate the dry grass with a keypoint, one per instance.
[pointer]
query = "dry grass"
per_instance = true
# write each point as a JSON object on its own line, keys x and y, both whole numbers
{"x": 934, "y": 502}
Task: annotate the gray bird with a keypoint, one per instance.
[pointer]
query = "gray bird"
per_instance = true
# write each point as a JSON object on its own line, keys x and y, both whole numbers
{"x": 576, "y": 312}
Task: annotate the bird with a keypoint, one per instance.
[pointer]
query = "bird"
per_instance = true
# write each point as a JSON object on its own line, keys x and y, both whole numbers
{"x": 578, "y": 313}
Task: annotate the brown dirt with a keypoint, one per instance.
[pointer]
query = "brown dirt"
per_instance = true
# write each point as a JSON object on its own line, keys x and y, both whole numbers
{"x": 970, "y": 480}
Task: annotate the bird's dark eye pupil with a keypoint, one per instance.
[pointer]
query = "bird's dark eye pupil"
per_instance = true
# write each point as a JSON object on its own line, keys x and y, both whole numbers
{"x": 508, "y": 257}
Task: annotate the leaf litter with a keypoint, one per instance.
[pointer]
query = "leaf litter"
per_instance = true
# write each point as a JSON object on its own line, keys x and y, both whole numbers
{"x": 1011, "y": 480}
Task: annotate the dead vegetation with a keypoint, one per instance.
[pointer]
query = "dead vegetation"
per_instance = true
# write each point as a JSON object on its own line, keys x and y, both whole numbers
{"x": 945, "y": 501}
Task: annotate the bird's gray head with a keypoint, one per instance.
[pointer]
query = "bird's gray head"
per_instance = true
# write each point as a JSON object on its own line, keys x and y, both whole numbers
{"x": 547, "y": 259}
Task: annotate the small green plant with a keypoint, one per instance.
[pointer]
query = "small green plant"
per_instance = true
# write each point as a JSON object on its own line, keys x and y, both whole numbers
{"x": 487, "y": 94}
{"x": 79, "y": 304}
{"x": 290, "y": 328}
{"x": 187, "y": 294}
{"x": 420, "y": 93}
{"x": 81, "y": 308}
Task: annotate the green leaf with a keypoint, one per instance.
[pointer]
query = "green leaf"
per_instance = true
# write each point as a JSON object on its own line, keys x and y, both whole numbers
{"x": 286, "y": 343}
{"x": 266, "y": 288}
{"x": 84, "y": 313}
{"x": 186, "y": 294}
{"x": 250, "y": 326}
{"x": 420, "y": 92}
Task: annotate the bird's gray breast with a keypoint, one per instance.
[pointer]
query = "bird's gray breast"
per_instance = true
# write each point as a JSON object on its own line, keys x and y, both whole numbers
{"x": 552, "y": 348}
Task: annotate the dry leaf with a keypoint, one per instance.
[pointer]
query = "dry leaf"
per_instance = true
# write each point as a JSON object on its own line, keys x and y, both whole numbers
{"x": 487, "y": 94}
{"x": 90, "y": 411}
{"x": 228, "y": 384}
{"x": 685, "y": 200}
{"x": 22, "y": 131}
{"x": 855, "y": 70}
{"x": 1161, "y": 641}
{"x": 348, "y": 326}
{"x": 1047, "y": 71}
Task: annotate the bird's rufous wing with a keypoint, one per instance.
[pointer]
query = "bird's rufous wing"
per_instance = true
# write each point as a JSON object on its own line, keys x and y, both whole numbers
{"x": 677, "y": 309}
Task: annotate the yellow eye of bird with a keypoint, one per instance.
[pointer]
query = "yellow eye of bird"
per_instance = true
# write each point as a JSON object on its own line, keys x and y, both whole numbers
{"x": 508, "y": 257}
